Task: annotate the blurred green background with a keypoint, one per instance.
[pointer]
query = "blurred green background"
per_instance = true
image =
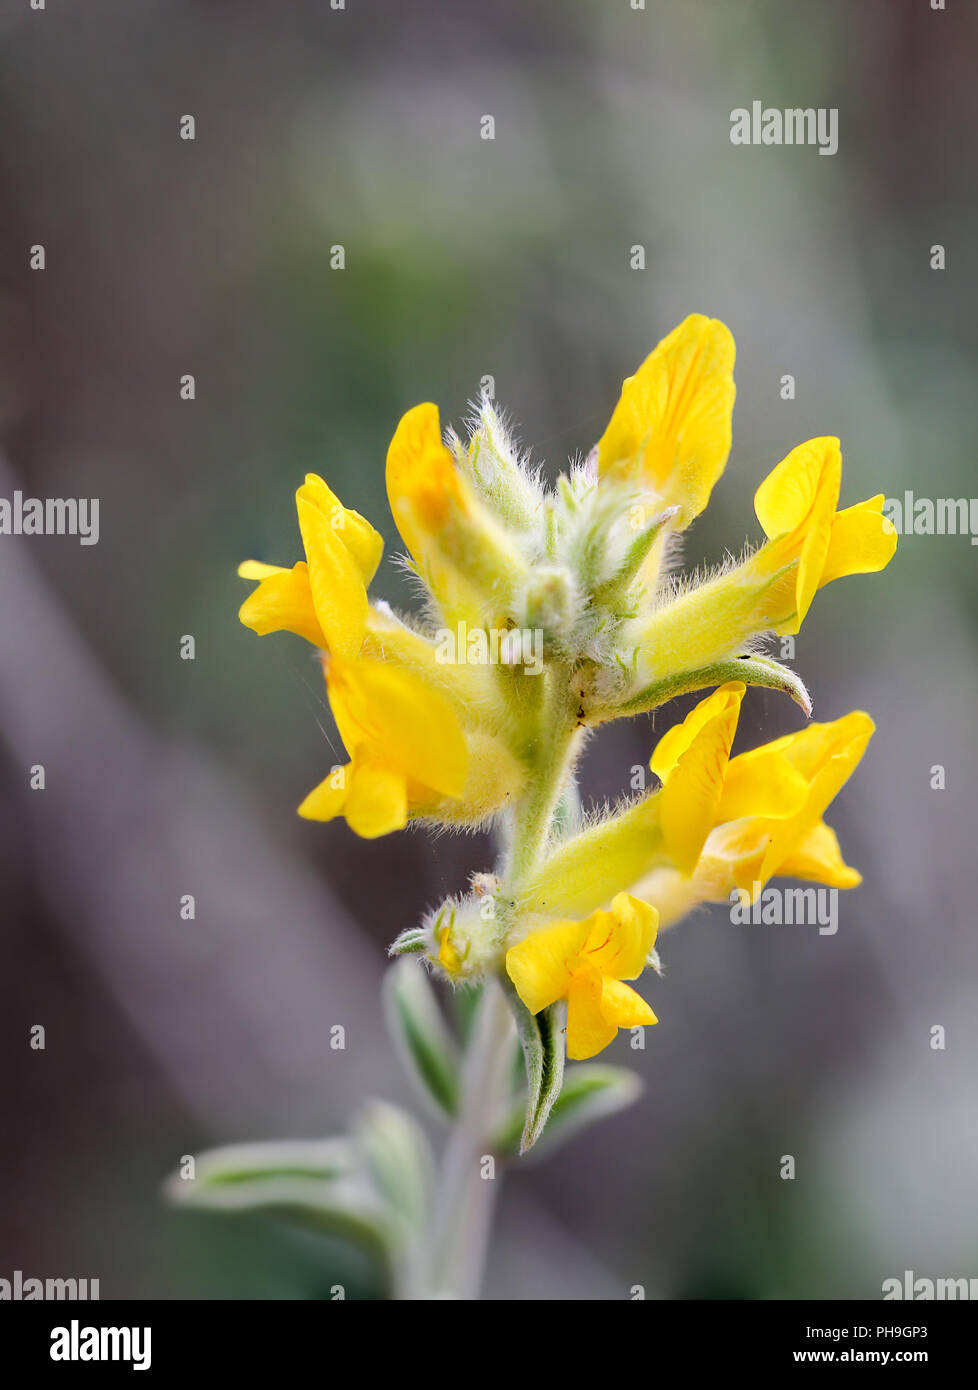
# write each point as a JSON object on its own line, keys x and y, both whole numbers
{"x": 464, "y": 257}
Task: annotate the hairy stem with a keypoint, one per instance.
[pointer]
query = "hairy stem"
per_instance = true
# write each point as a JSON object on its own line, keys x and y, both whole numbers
{"x": 467, "y": 1182}
{"x": 467, "y": 1185}
{"x": 551, "y": 758}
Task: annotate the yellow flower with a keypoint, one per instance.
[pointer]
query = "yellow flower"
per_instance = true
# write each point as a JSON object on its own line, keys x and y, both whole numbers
{"x": 586, "y": 964}
{"x": 810, "y": 545}
{"x": 796, "y": 506}
{"x": 323, "y": 598}
{"x": 671, "y": 429}
{"x": 407, "y": 750}
{"x": 769, "y": 819}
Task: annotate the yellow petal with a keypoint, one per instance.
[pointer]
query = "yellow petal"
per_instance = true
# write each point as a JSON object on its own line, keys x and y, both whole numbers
{"x": 404, "y": 722}
{"x": 785, "y": 498}
{"x": 364, "y": 545}
{"x": 255, "y": 569}
{"x": 795, "y": 505}
{"x": 281, "y": 603}
{"x": 596, "y": 1008}
{"x": 422, "y": 481}
{"x": 377, "y": 801}
{"x": 863, "y": 541}
{"x": 589, "y": 1030}
{"x": 540, "y": 965}
{"x": 826, "y": 755}
{"x": 819, "y": 858}
{"x": 693, "y": 784}
{"x": 671, "y": 427}
{"x": 762, "y": 782}
{"x": 327, "y": 801}
{"x": 619, "y": 941}
{"x": 335, "y": 579}
{"x": 812, "y": 747}
{"x": 624, "y": 1006}
{"x": 673, "y": 745}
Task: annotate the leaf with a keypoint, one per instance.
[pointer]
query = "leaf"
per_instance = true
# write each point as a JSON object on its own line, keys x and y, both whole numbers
{"x": 315, "y": 1183}
{"x": 752, "y": 670}
{"x": 637, "y": 552}
{"x": 398, "y": 1159}
{"x": 542, "y": 1039}
{"x": 464, "y": 1008}
{"x": 421, "y": 1035}
{"x": 590, "y": 1092}
{"x": 409, "y": 942}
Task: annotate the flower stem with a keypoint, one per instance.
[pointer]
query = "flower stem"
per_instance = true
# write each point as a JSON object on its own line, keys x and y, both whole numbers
{"x": 551, "y": 757}
{"x": 469, "y": 1178}
{"x": 468, "y": 1182}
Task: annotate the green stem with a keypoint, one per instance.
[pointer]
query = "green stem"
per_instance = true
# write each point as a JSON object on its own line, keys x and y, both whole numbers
{"x": 550, "y": 758}
{"x": 468, "y": 1182}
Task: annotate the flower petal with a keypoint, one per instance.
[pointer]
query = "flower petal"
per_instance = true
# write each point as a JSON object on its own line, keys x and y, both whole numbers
{"x": 257, "y": 569}
{"x": 863, "y": 541}
{"x": 624, "y": 1006}
{"x": 335, "y": 578}
{"x": 795, "y": 505}
{"x": 826, "y": 754}
{"x": 404, "y": 722}
{"x": 281, "y": 603}
{"x": 422, "y": 481}
{"x": 619, "y": 941}
{"x": 540, "y": 965}
{"x": 694, "y": 778}
{"x": 327, "y": 801}
{"x": 819, "y": 858}
{"x": 762, "y": 782}
{"x": 377, "y": 800}
{"x": 589, "y": 1031}
{"x": 671, "y": 427}
{"x": 364, "y": 544}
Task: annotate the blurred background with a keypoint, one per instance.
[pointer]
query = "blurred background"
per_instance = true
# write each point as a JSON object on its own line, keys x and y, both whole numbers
{"x": 360, "y": 128}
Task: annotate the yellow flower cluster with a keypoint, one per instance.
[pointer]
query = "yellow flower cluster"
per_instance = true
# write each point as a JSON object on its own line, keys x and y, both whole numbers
{"x": 576, "y": 575}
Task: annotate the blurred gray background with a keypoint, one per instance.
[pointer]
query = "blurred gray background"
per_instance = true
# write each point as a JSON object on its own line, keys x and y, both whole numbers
{"x": 464, "y": 257}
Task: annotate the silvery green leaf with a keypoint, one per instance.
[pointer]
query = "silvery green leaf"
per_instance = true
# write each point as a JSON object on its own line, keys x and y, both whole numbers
{"x": 590, "y": 1092}
{"x": 542, "y": 1039}
{"x": 410, "y": 941}
{"x": 421, "y": 1035}
{"x": 398, "y": 1159}
{"x": 313, "y": 1182}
